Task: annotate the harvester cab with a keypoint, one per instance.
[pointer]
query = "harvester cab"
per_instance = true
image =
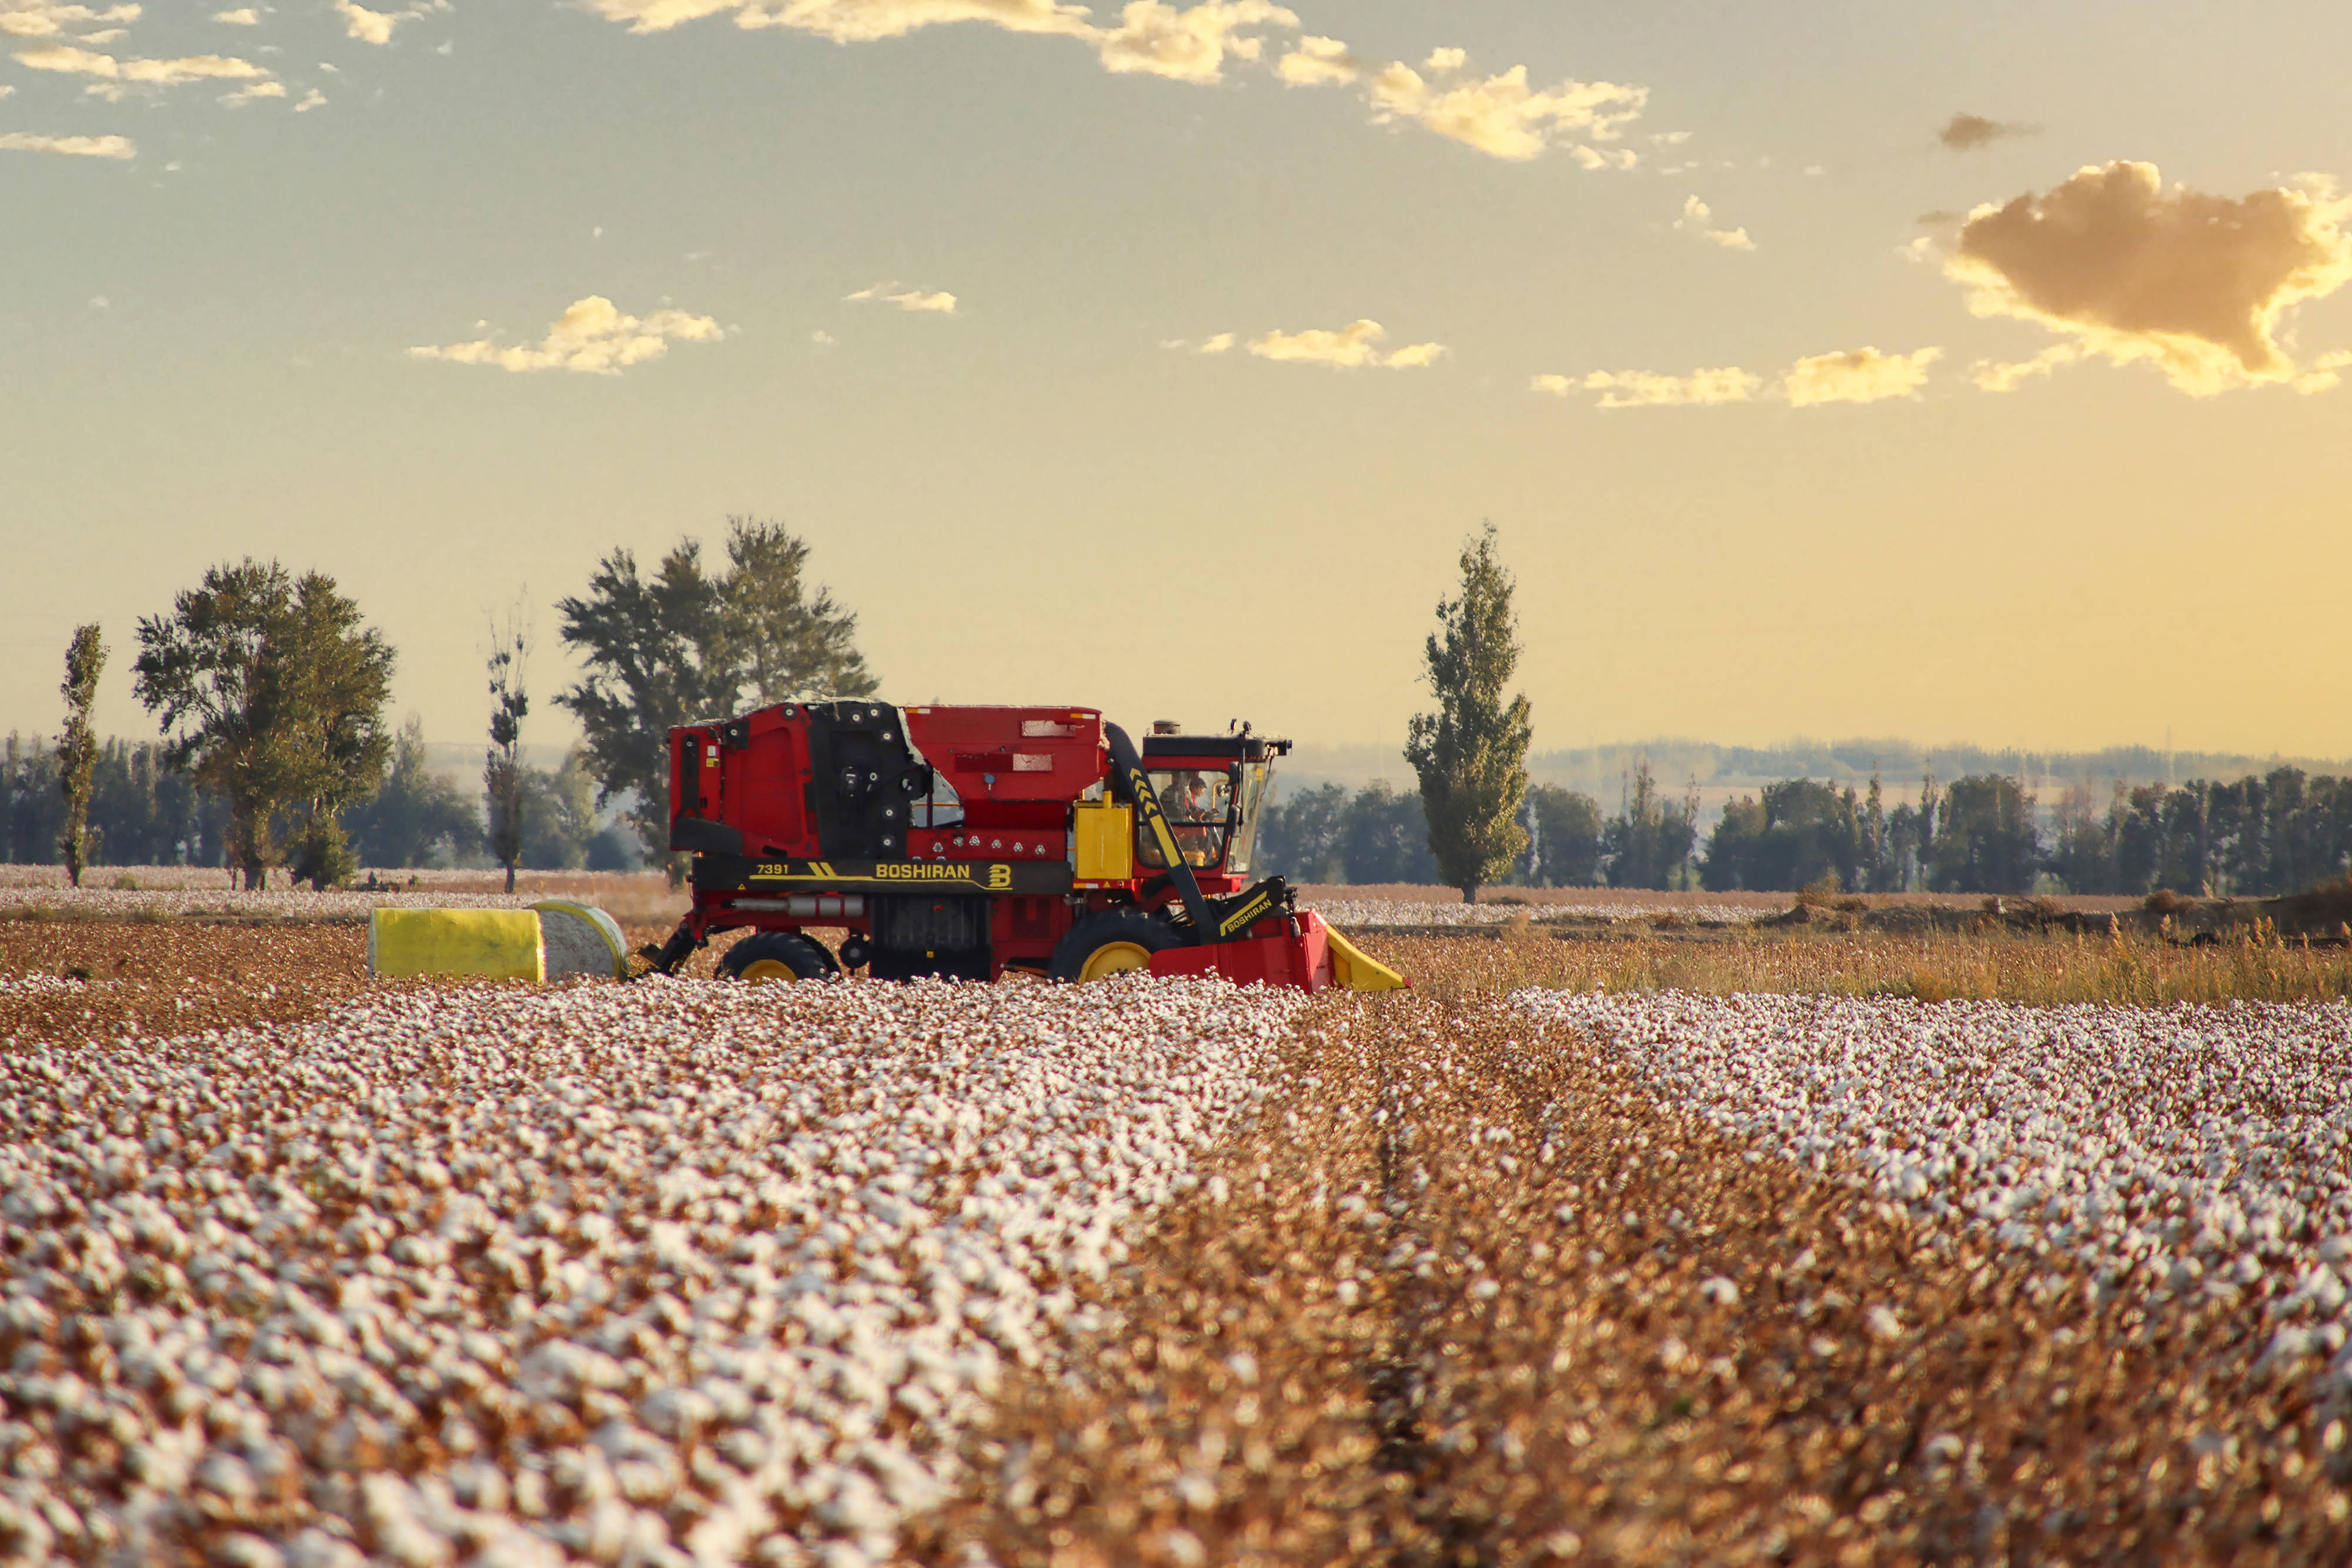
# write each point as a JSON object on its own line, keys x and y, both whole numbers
{"x": 965, "y": 842}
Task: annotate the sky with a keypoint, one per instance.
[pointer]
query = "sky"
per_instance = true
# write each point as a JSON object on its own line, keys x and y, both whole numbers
{"x": 1955, "y": 372}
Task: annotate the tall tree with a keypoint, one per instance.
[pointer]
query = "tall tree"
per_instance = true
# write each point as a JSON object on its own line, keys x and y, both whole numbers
{"x": 77, "y": 746}
{"x": 1471, "y": 754}
{"x": 271, "y": 692}
{"x": 502, "y": 780}
{"x": 691, "y": 643}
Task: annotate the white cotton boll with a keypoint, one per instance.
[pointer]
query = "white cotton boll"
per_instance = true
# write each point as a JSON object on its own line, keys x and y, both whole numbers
{"x": 1882, "y": 1323}
{"x": 248, "y": 1551}
{"x": 314, "y": 1548}
{"x": 1717, "y": 1290}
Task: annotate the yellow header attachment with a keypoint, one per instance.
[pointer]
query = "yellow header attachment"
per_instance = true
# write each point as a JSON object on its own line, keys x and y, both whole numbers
{"x": 1352, "y": 971}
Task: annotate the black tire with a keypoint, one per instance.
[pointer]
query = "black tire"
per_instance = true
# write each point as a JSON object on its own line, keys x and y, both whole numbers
{"x": 1113, "y": 937}
{"x": 763, "y": 951}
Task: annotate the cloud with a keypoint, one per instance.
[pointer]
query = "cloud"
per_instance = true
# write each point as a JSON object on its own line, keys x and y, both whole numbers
{"x": 1641, "y": 389}
{"x": 1354, "y": 347}
{"x": 1853, "y": 375}
{"x": 368, "y": 26}
{"x": 1218, "y": 344}
{"x": 851, "y": 21}
{"x": 375, "y": 26}
{"x": 1966, "y": 132}
{"x": 1699, "y": 219}
{"x": 1319, "y": 62}
{"x": 310, "y": 101}
{"x": 2123, "y": 267}
{"x": 1857, "y": 375}
{"x": 114, "y": 77}
{"x": 591, "y": 337}
{"x": 45, "y": 19}
{"x": 1501, "y": 116}
{"x": 1188, "y": 45}
{"x": 1994, "y": 376}
{"x": 915, "y": 300}
{"x": 243, "y": 17}
{"x": 2323, "y": 375}
{"x": 70, "y": 146}
{"x": 259, "y": 89}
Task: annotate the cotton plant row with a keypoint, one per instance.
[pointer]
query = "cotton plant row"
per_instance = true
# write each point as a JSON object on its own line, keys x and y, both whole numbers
{"x": 2183, "y": 1152}
{"x": 1364, "y": 914}
{"x": 668, "y": 1273}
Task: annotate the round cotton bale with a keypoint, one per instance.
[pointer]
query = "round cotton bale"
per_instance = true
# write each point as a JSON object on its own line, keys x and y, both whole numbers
{"x": 580, "y": 940}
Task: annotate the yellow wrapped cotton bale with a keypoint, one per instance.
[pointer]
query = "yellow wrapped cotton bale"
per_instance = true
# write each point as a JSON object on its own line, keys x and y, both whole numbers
{"x": 476, "y": 943}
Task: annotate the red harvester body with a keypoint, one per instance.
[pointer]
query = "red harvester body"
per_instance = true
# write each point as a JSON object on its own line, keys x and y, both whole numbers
{"x": 965, "y": 842}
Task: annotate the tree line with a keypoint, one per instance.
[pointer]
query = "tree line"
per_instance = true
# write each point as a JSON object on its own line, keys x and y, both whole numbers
{"x": 270, "y": 691}
{"x": 2259, "y": 836}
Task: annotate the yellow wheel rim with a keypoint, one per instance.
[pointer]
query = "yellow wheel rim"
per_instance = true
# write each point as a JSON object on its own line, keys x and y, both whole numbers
{"x": 761, "y": 971}
{"x": 1115, "y": 958}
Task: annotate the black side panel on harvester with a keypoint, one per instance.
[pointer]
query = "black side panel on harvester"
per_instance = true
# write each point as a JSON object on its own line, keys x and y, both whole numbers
{"x": 863, "y": 779}
{"x": 919, "y": 933}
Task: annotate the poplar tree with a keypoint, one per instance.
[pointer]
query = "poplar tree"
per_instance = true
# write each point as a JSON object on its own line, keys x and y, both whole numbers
{"x": 502, "y": 778}
{"x": 1471, "y": 754}
{"x": 77, "y": 746}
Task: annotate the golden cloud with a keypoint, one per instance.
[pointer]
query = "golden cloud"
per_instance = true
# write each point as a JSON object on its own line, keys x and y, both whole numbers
{"x": 368, "y": 26}
{"x": 1501, "y": 116}
{"x": 940, "y": 303}
{"x": 1319, "y": 62}
{"x": 851, "y": 21}
{"x": 1857, "y": 375}
{"x": 114, "y": 77}
{"x": 70, "y": 146}
{"x": 591, "y": 337}
{"x": 1190, "y": 45}
{"x": 2126, "y": 268}
{"x": 45, "y": 19}
{"x": 1699, "y": 219}
{"x": 1353, "y": 347}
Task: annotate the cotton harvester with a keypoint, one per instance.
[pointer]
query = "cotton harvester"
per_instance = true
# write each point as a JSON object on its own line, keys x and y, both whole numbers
{"x": 965, "y": 842}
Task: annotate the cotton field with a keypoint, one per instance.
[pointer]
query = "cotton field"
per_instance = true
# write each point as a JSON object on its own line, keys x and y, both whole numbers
{"x": 2177, "y": 1150}
{"x": 674, "y": 1273}
{"x": 298, "y": 1267}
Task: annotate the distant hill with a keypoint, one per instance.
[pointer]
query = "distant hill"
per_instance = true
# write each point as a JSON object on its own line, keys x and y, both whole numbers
{"x": 1724, "y": 771}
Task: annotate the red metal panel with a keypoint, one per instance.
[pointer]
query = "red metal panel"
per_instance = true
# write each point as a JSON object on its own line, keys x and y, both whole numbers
{"x": 1268, "y": 955}
{"x": 996, "y": 757}
{"x": 767, "y": 780}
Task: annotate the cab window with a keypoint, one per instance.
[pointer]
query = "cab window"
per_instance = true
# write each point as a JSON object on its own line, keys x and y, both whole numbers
{"x": 1199, "y": 803}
